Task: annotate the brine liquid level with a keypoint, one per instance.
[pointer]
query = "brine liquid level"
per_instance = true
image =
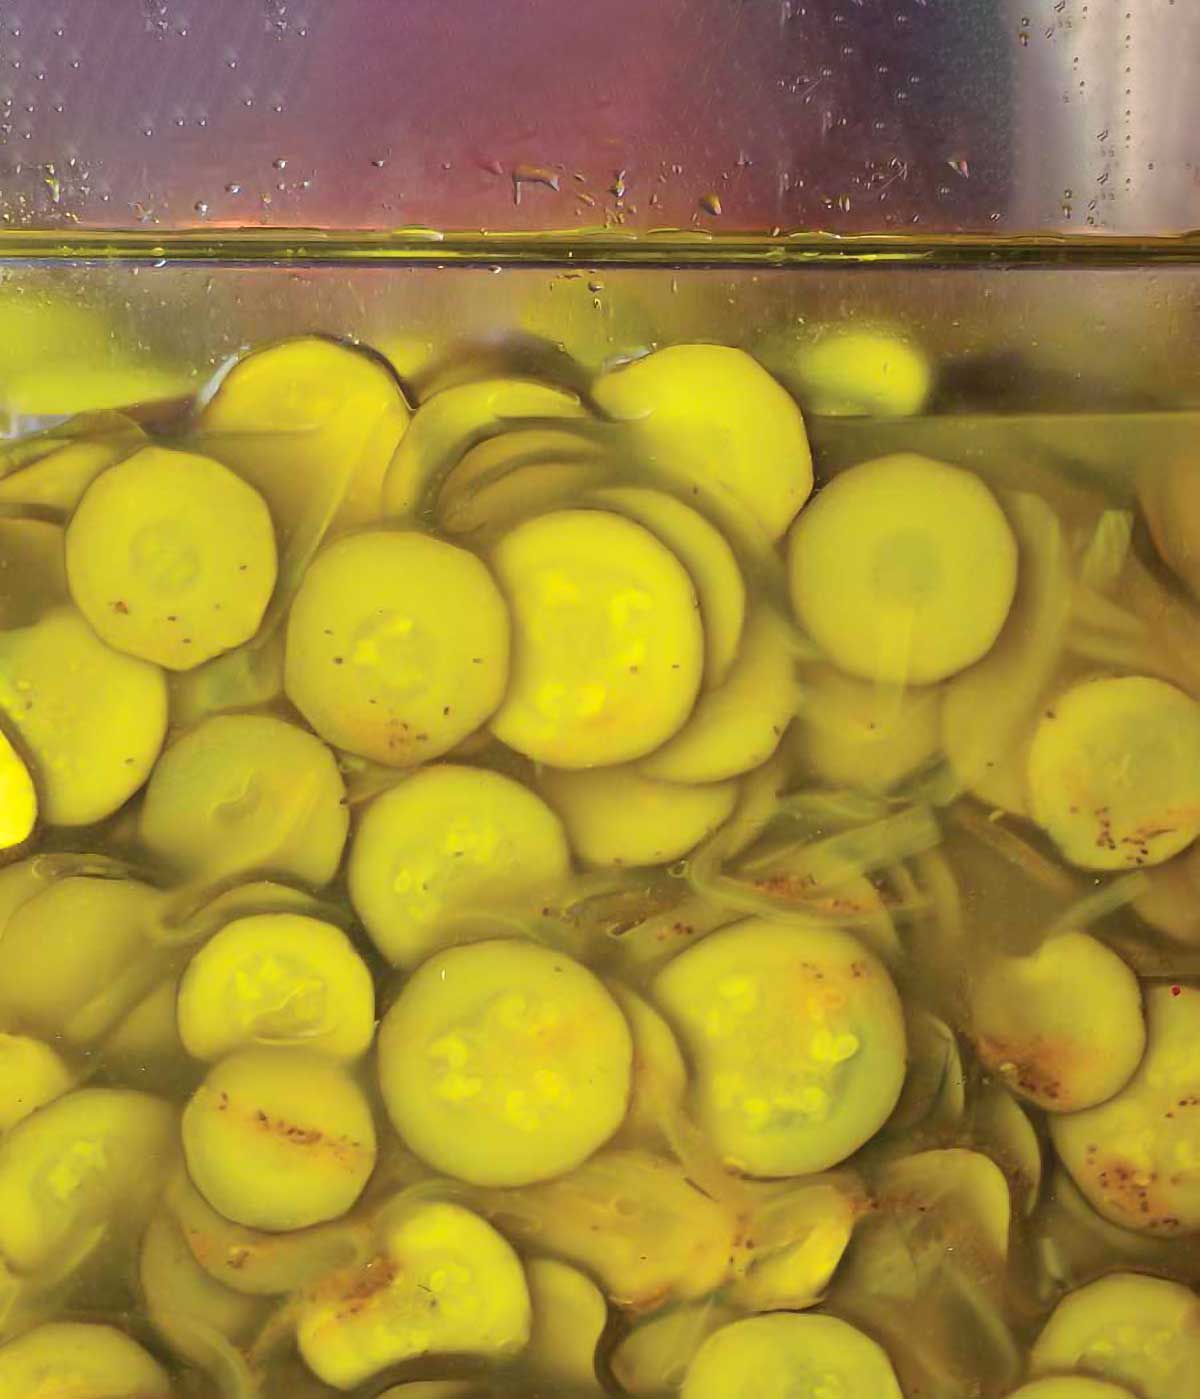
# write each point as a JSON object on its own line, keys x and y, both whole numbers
{"x": 513, "y": 890}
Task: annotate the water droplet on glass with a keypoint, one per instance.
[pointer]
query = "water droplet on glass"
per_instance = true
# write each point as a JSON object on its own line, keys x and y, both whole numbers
{"x": 201, "y": 207}
{"x": 233, "y": 188}
{"x": 710, "y": 203}
{"x": 231, "y": 63}
{"x": 280, "y": 162}
{"x": 147, "y": 131}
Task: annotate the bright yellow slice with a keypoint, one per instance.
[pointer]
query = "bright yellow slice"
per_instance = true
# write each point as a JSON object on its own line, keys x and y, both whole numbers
{"x": 796, "y": 1040}
{"x": 397, "y": 646}
{"x": 312, "y": 424}
{"x": 444, "y": 1283}
{"x": 903, "y": 569}
{"x": 608, "y": 645}
{"x": 279, "y": 1138}
{"x": 1114, "y": 772}
{"x": 1134, "y": 1157}
{"x": 450, "y": 841}
{"x": 1128, "y": 1327}
{"x": 79, "y": 1360}
{"x": 277, "y": 978}
{"x": 712, "y": 414}
{"x": 781, "y": 1355}
{"x": 1062, "y": 1026}
{"x": 89, "y": 1162}
{"x": 503, "y": 1063}
{"x": 861, "y": 373}
{"x": 171, "y": 557}
{"x": 90, "y": 719}
{"x": 247, "y": 791}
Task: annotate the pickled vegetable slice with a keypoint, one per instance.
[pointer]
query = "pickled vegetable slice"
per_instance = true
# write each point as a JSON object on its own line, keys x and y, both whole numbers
{"x": 176, "y": 1288}
{"x": 448, "y": 841}
{"x": 608, "y": 646}
{"x": 445, "y": 1283}
{"x": 1128, "y": 1327}
{"x": 256, "y": 1263}
{"x": 279, "y": 1138}
{"x": 18, "y": 797}
{"x": 79, "y": 1360}
{"x": 630, "y": 1218}
{"x": 1061, "y": 1026}
{"x": 737, "y": 726}
{"x": 619, "y": 816}
{"x": 453, "y": 420}
{"x": 852, "y": 373}
{"x": 171, "y": 557}
{"x": 91, "y": 720}
{"x": 74, "y": 959}
{"x": 569, "y": 1315}
{"x": 706, "y": 555}
{"x": 990, "y": 707}
{"x": 1114, "y": 772}
{"x": 903, "y": 569}
{"x": 504, "y": 1063}
{"x": 713, "y": 414}
{"x": 1135, "y": 1156}
{"x": 89, "y": 1162}
{"x": 774, "y": 1357}
{"x": 397, "y": 646}
{"x": 797, "y": 1042}
{"x": 312, "y": 424}
{"x": 31, "y": 1075}
{"x": 852, "y": 733}
{"x": 247, "y": 791}
{"x": 59, "y": 479}
{"x": 277, "y": 978}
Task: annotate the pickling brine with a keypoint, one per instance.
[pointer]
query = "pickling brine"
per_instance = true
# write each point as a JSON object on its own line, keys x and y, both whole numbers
{"x": 532, "y": 888}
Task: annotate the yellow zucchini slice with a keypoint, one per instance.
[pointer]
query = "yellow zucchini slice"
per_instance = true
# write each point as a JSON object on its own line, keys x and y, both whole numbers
{"x": 79, "y": 1360}
{"x": 608, "y": 646}
{"x": 312, "y": 424}
{"x": 861, "y": 373}
{"x": 503, "y": 1063}
{"x": 279, "y": 1138}
{"x": 450, "y": 841}
{"x": 1114, "y": 772}
{"x": 903, "y": 569}
{"x": 797, "y": 1043}
{"x": 1128, "y": 1327}
{"x": 171, "y": 558}
{"x": 246, "y": 791}
{"x": 445, "y": 1283}
{"x": 91, "y": 720}
{"x": 712, "y": 414}
{"x": 32, "y": 1074}
{"x": 1136, "y": 1156}
{"x": 397, "y": 646}
{"x": 1061, "y": 1026}
{"x": 277, "y": 978}
{"x": 771, "y": 1357}
{"x": 569, "y": 1316}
